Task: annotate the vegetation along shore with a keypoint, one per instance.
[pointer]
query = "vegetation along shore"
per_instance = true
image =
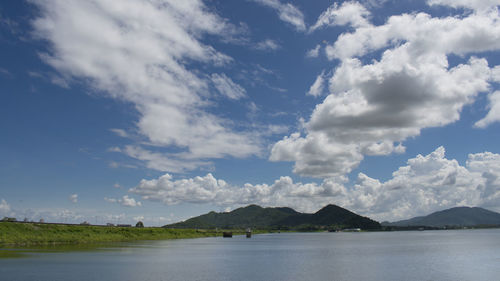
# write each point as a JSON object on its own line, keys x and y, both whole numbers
{"x": 19, "y": 233}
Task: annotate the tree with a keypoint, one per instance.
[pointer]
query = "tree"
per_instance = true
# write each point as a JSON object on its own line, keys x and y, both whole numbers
{"x": 139, "y": 224}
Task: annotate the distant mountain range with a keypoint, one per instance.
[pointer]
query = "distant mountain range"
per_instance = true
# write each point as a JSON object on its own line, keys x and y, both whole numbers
{"x": 253, "y": 216}
{"x": 459, "y": 216}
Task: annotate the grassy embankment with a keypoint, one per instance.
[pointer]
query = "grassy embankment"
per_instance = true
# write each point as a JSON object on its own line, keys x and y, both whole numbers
{"x": 12, "y": 233}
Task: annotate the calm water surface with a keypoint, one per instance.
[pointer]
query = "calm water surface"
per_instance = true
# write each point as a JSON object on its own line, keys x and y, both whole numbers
{"x": 426, "y": 255}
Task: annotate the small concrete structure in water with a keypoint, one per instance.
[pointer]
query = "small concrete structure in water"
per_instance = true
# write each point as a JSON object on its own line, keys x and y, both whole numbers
{"x": 249, "y": 233}
{"x": 227, "y": 234}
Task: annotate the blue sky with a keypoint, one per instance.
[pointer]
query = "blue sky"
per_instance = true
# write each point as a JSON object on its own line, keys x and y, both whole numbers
{"x": 162, "y": 110}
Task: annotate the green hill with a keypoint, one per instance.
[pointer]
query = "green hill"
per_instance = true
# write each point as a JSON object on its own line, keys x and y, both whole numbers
{"x": 459, "y": 216}
{"x": 254, "y": 216}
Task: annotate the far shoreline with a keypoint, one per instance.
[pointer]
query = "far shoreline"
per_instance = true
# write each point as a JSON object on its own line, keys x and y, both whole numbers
{"x": 27, "y": 234}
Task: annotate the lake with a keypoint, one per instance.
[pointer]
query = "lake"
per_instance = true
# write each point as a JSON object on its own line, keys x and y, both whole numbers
{"x": 412, "y": 255}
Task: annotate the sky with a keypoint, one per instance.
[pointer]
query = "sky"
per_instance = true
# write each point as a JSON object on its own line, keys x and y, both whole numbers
{"x": 161, "y": 110}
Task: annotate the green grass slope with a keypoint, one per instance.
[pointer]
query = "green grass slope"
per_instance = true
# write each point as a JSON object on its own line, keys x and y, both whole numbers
{"x": 12, "y": 233}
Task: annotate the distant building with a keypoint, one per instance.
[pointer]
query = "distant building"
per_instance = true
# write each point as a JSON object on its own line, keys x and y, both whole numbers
{"x": 42, "y": 220}
{"x": 85, "y": 223}
{"x": 124, "y": 225}
{"x": 110, "y": 224}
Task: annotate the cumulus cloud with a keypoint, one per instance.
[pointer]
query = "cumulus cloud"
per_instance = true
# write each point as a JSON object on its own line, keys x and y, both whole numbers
{"x": 287, "y": 13}
{"x": 423, "y": 34}
{"x": 267, "y": 45}
{"x": 4, "y": 207}
{"x": 73, "y": 198}
{"x": 124, "y": 51}
{"x": 431, "y": 183}
{"x": 426, "y": 184}
{"x": 372, "y": 108}
{"x": 125, "y": 201}
{"x": 313, "y": 53}
{"x": 318, "y": 87}
{"x": 349, "y": 13}
{"x": 494, "y": 111}
{"x": 227, "y": 87}
{"x": 129, "y": 202}
{"x": 208, "y": 189}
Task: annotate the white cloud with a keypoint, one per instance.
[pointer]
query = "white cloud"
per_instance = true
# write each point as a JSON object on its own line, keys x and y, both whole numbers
{"x": 267, "y": 45}
{"x": 120, "y": 132}
{"x": 124, "y": 201}
{"x": 73, "y": 198}
{"x": 139, "y": 218}
{"x": 423, "y": 35}
{"x": 373, "y": 3}
{"x": 110, "y": 200}
{"x": 208, "y": 189}
{"x": 287, "y": 13}
{"x": 90, "y": 215}
{"x": 163, "y": 162}
{"x": 494, "y": 111}
{"x": 313, "y": 53}
{"x": 318, "y": 87}
{"x": 252, "y": 107}
{"x": 349, "y": 13}
{"x": 316, "y": 156}
{"x": 227, "y": 87}
{"x": 114, "y": 149}
{"x": 4, "y": 207}
{"x": 130, "y": 202}
{"x": 124, "y": 51}
{"x": 481, "y": 5}
{"x": 115, "y": 165}
{"x": 426, "y": 184}
{"x": 431, "y": 183}
{"x": 373, "y": 106}
{"x": 53, "y": 215}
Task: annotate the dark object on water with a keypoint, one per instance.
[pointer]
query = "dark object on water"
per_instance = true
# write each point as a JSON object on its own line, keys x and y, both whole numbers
{"x": 249, "y": 233}
{"x": 227, "y": 234}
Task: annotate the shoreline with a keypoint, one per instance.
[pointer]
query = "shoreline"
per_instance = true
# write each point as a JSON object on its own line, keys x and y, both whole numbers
{"x": 33, "y": 234}
{"x": 25, "y": 234}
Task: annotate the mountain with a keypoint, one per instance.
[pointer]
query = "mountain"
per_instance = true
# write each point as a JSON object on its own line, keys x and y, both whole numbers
{"x": 459, "y": 216}
{"x": 254, "y": 216}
